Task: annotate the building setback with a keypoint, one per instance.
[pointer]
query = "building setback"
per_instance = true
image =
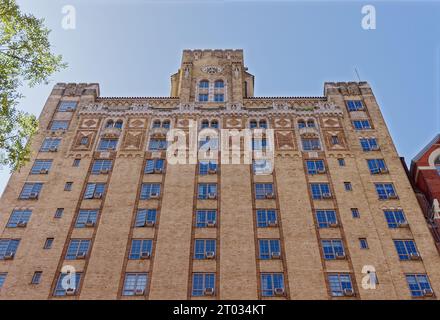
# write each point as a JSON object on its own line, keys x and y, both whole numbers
{"x": 99, "y": 198}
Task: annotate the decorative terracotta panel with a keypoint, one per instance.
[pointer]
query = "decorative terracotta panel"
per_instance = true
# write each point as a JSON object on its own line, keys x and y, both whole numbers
{"x": 284, "y": 140}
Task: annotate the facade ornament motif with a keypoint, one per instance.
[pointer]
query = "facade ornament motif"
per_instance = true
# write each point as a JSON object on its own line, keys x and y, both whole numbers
{"x": 236, "y": 71}
{"x": 212, "y": 69}
{"x": 186, "y": 72}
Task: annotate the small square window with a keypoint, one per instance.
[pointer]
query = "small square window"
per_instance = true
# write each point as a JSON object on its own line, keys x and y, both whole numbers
{"x": 36, "y": 278}
{"x": 76, "y": 162}
{"x": 68, "y": 186}
{"x": 48, "y": 243}
{"x": 347, "y": 186}
{"x": 59, "y": 213}
{"x": 363, "y": 244}
{"x": 355, "y": 213}
{"x": 341, "y": 162}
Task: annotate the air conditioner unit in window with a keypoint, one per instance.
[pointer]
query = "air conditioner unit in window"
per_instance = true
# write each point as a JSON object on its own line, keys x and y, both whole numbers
{"x": 21, "y": 224}
{"x": 212, "y": 196}
{"x": 276, "y": 255}
{"x": 279, "y": 291}
{"x": 158, "y": 170}
{"x": 210, "y": 255}
{"x": 81, "y": 255}
{"x": 270, "y": 195}
{"x": 333, "y": 224}
{"x": 340, "y": 255}
{"x": 90, "y": 223}
{"x": 70, "y": 291}
{"x": 415, "y": 256}
{"x": 321, "y": 170}
{"x": 145, "y": 255}
{"x": 44, "y": 171}
{"x": 97, "y": 195}
{"x": 316, "y": 147}
{"x": 104, "y": 171}
{"x": 383, "y": 170}
{"x": 154, "y": 195}
{"x": 149, "y": 223}
{"x": 272, "y": 223}
{"x": 210, "y": 224}
{"x": 69, "y": 109}
{"x": 326, "y": 195}
{"x": 9, "y": 256}
{"x": 428, "y": 292}
{"x": 53, "y": 149}
{"x": 212, "y": 171}
{"x": 139, "y": 292}
{"x": 348, "y": 292}
{"x": 392, "y": 196}
{"x": 33, "y": 195}
{"x": 374, "y": 148}
{"x": 403, "y": 224}
{"x": 111, "y": 148}
{"x": 209, "y": 292}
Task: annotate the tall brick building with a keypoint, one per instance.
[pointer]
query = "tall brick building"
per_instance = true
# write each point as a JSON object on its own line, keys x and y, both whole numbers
{"x": 99, "y": 212}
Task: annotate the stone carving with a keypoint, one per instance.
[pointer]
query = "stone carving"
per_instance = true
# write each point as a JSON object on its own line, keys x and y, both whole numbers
{"x": 212, "y": 69}
{"x": 89, "y": 123}
{"x": 83, "y": 140}
{"x": 136, "y": 123}
{"x": 285, "y": 140}
{"x": 283, "y": 123}
{"x": 330, "y": 122}
{"x": 132, "y": 140}
{"x": 234, "y": 123}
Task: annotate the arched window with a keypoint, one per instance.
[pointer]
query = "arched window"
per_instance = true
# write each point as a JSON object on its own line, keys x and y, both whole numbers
{"x": 437, "y": 164}
{"x": 166, "y": 124}
{"x": 219, "y": 84}
{"x": 310, "y": 123}
{"x": 156, "y": 124}
{"x": 301, "y": 124}
{"x": 118, "y": 124}
{"x": 205, "y": 124}
{"x": 253, "y": 124}
{"x": 214, "y": 124}
{"x": 263, "y": 124}
{"x": 109, "y": 124}
{"x": 204, "y": 84}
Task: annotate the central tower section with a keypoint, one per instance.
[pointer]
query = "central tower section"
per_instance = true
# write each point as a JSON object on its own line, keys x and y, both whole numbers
{"x": 212, "y": 77}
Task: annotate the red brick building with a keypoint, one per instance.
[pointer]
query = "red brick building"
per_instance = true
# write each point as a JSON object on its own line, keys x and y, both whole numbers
{"x": 425, "y": 175}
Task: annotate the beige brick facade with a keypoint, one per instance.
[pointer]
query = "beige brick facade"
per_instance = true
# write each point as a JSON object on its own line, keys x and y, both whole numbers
{"x": 236, "y": 266}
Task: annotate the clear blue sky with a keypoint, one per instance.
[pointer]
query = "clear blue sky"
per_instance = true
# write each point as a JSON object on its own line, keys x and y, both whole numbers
{"x": 131, "y": 47}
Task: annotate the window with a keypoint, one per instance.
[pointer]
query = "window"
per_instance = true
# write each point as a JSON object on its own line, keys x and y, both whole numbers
{"x": 156, "y": 124}
{"x": 333, "y": 249}
{"x": 259, "y": 144}
{"x": 266, "y": 218}
{"x": 263, "y": 124}
{"x": 36, "y": 278}
{"x": 118, "y": 124}
{"x": 341, "y": 162}
{"x": 154, "y": 166}
{"x": 354, "y": 105}
{"x": 208, "y": 143}
{"x": 437, "y": 165}
{"x": 135, "y": 284}
{"x": 363, "y": 244}
{"x": 377, "y": 166}
{"x": 207, "y": 191}
{"x": 269, "y": 249}
{"x": 68, "y": 186}
{"x": 369, "y": 144}
{"x": 310, "y": 123}
{"x": 335, "y": 140}
{"x": 101, "y": 166}
{"x": 320, "y": 191}
{"x": 361, "y": 124}
{"x": 41, "y": 166}
{"x": 205, "y": 124}
{"x": 214, "y": 124}
{"x": 315, "y": 166}
{"x": 219, "y": 97}
{"x": 203, "y": 283}
{"x": 203, "y": 97}
{"x": 301, "y": 124}
{"x": 59, "y": 125}
{"x": 326, "y": 218}
{"x": 166, "y": 124}
{"x": 150, "y": 190}
{"x": 394, "y": 218}
{"x": 219, "y": 84}
{"x": 140, "y": 248}
{"x": 94, "y": 190}
{"x": 271, "y": 283}
{"x": 78, "y": 249}
{"x": 261, "y": 167}
{"x": 70, "y": 285}
{"x": 418, "y": 284}
{"x": 48, "y": 244}
{"x": 58, "y": 213}
{"x": 207, "y": 167}
{"x": 84, "y": 141}
{"x": 206, "y": 218}
{"x": 355, "y": 213}
{"x": 107, "y": 144}
{"x": 76, "y": 162}
{"x": 31, "y": 191}
{"x": 109, "y": 124}
{"x": 204, "y": 84}
{"x": 204, "y": 249}
{"x": 8, "y": 248}
{"x": 86, "y": 218}
{"x": 157, "y": 144}
{"x": 309, "y": 144}
{"x": 406, "y": 249}
{"x": 264, "y": 191}
{"x": 339, "y": 284}
{"x": 50, "y": 144}
{"x": 348, "y": 186}
{"x": 253, "y": 124}
{"x": 385, "y": 191}
{"x": 2, "y": 279}
{"x": 19, "y": 218}
{"x": 67, "y": 106}
{"x": 145, "y": 217}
